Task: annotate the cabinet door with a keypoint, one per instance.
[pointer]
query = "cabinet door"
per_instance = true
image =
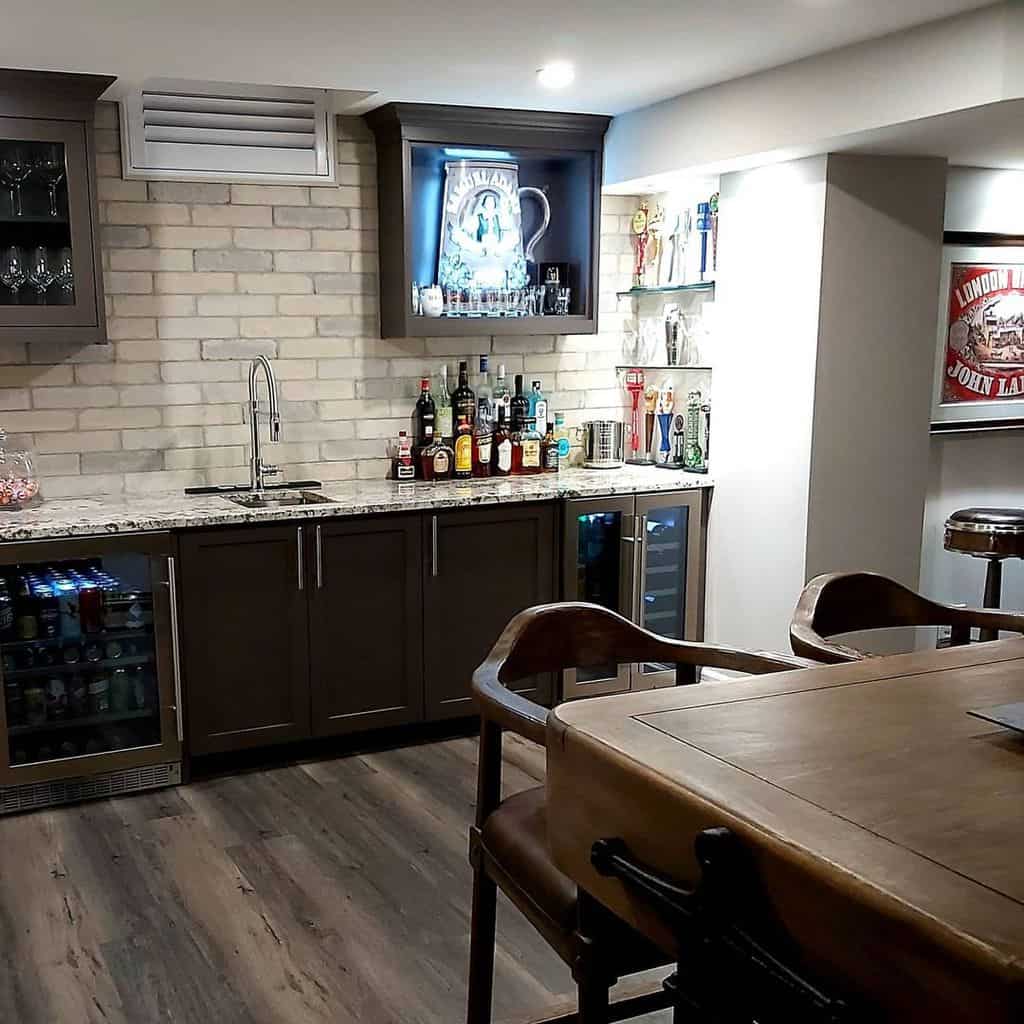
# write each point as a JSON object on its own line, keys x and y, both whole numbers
{"x": 670, "y": 581}
{"x": 482, "y": 567}
{"x": 366, "y": 630}
{"x": 246, "y": 637}
{"x": 598, "y": 566}
{"x": 48, "y": 275}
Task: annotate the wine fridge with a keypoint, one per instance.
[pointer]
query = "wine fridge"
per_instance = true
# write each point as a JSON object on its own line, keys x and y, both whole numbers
{"x": 642, "y": 556}
{"x": 90, "y": 670}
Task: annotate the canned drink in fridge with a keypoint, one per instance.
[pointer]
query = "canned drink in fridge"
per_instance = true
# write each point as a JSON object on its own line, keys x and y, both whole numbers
{"x": 90, "y": 608}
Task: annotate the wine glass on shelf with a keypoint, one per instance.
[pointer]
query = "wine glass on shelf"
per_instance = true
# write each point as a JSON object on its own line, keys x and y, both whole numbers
{"x": 65, "y": 275}
{"x": 14, "y": 169}
{"x": 40, "y": 273}
{"x": 12, "y": 270}
{"x": 50, "y": 168}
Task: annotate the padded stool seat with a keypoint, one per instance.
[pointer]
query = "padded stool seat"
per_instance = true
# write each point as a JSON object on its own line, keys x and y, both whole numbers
{"x": 990, "y": 533}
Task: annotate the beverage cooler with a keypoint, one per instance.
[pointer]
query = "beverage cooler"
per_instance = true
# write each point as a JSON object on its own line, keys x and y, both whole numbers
{"x": 642, "y": 556}
{"x": 89, "y": 664}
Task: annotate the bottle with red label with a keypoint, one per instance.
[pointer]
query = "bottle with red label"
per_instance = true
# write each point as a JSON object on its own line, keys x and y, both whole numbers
{"x": 483, "y": 435}
{"x": 405, "y": 468}
{"x": 501, "y": 447}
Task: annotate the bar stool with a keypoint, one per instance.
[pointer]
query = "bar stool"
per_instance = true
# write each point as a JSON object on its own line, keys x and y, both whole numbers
{"x": 992, "y": 534}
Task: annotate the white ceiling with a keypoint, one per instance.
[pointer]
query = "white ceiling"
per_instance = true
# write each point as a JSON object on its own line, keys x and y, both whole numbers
{"x": 450, "y": 51}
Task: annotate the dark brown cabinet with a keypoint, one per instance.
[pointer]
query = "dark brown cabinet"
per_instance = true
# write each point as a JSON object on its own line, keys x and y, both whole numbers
{"x": 51, "y": 282}
{"x": 481, "y": 567}
{"x": 366, "y": 617}
{"x": 245, "y": 641}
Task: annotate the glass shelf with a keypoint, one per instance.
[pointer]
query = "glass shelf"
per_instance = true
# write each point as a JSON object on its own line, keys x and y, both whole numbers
{"x": 668, "y": 289}
{"x": 626, "y": 367}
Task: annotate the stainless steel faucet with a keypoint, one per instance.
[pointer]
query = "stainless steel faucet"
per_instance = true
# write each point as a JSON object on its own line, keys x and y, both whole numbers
{"x": 258, "y": 470}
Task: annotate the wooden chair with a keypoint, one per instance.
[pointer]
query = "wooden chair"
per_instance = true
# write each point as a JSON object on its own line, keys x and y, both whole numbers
{"x": 508, "y": 843}
{"x": 848, "y": 602}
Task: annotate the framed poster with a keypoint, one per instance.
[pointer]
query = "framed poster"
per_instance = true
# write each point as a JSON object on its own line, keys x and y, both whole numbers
{"x": 979, "y": 366}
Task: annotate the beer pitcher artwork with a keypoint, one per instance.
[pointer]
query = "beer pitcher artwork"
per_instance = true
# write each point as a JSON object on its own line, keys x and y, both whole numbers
{"x": 482, "y": 242}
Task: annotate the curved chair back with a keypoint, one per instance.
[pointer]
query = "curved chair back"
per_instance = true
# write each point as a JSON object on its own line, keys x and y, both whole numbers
{"x": 850, "y": 602}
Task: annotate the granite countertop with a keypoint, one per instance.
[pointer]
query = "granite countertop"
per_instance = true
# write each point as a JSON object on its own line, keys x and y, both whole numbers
{"x": 112, "y": 514}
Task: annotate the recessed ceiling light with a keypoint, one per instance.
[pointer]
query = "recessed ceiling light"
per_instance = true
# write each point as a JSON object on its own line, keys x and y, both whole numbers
{"x": 556, "y": 75}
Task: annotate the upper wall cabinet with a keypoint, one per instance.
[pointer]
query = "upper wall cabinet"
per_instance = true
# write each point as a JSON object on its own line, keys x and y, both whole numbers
{"x": 498, "y": 208}
{"x": 51, "y": 281}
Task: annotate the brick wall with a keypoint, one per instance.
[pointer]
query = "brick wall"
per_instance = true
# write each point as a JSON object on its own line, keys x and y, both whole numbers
{"x": 201, "y": 277}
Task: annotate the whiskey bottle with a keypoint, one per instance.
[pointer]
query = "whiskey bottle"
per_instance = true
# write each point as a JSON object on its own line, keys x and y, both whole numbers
{"x": 520, "y": 407}
{"x": 443, "y": 426}
{"x": 436, "y": 460}
{"x": 501, "y": 396}
{"x": 463, "y": 449}
{"x": 549, "y": 451}
{"x": 501, "y": 446}
{"x": 425, "y": 415}
{"x": 464, "y": 401}
{"x": 482, "y": 438}
{"x": 529, "y": 450}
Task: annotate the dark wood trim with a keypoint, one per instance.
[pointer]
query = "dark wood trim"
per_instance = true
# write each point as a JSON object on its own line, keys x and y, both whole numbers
{"x": 976, "y": 426}
{"x": 51, "y": 94}
{"x": 981, "y": 238}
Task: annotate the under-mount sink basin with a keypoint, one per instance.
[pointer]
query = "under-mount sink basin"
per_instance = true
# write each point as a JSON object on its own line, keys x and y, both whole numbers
{"x": 277, "y": 499}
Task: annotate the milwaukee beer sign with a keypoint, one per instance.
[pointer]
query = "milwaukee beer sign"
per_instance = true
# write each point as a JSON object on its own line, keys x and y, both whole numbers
{"x": 985, "y": 334}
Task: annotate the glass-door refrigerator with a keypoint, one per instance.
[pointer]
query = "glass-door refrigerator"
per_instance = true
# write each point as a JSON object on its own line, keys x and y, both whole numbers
{"x": 643, "y": 557}
{"x": 90, "y": 670}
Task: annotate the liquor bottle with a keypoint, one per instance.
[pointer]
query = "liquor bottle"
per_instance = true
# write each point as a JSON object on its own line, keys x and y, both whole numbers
{"x": 501, "y": 396}
{"x": 482, "y": 438}
{"x": 501, "y": 446}
{"x": 520, "y": 407}
{"x": 484, "y": 391}
{"x": 464, "y": 401}
{"x": 443, "y": 423}
{"x": 538, "y": 406}
{"x": 526, "y": 458}
{"x": 562, "y": 437}
{"x": 405, "y": 468}
{"x": 463, "y": 449}
{"x": 436, "y": 460}
{"x": 549, "y": 451}
{"x": 425, "y": 415}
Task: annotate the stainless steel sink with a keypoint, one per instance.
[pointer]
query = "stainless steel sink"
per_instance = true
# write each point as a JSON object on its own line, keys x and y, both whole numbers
{"x": 277, "y": 499}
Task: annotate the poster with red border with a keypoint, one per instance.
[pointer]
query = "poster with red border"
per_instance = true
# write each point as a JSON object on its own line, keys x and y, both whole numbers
{"x": 980, "y": 357}
{"x": 984, "y": 333}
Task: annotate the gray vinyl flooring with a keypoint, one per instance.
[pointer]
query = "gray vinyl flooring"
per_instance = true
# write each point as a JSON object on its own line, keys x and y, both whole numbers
{"x": 335, "y": 891}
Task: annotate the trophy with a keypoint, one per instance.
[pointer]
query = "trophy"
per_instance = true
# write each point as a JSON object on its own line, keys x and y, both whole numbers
{"x": 698, "y": 426}
{"x": 713, "y": 204}
{"x": 643, "y": 236}
{"x": 666, "y": 402}
{"x": 650, "y": 404}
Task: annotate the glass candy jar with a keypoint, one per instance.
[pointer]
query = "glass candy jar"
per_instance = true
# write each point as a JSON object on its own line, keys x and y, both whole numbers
{"x": 19, "y": 484}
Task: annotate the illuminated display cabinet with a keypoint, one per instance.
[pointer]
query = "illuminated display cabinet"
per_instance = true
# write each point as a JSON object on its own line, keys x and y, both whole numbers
{"x": 499, "y": 208}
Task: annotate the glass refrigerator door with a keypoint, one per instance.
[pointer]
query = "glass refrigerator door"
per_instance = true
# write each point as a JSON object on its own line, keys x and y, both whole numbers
{"x": 83, "y": 652}
{"x": 599, "y": 552}
{"x": 671, "y": 567}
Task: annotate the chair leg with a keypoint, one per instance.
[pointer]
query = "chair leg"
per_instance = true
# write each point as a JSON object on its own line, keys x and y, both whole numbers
{"x": 594, "y": 1001}
{"x": 481, "y": 948}
{"x": 993, "y": 594}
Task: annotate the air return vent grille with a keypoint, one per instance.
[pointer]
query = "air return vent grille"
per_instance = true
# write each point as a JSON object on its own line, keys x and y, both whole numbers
{"x": 214, "y": 131}
{"x": 30, "y": 796}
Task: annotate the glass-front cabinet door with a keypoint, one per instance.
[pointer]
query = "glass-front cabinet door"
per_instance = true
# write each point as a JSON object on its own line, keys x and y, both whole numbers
{"x": 47, "y": 270}
{"x": 87, "y": 659}
{"x": 670, "y": 584}
{"x": 600, "y": 551}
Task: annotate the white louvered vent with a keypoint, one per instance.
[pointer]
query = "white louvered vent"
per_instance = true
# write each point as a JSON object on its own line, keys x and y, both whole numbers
{"x": 217, "y": 131}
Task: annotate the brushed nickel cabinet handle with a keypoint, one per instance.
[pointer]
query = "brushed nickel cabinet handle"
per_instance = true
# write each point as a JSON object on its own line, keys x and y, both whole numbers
{"x": 434, "y": 567}
{"x": 299, "y": 563}
{"x": 319, "y": 558}
{"x": 172, "y": 596}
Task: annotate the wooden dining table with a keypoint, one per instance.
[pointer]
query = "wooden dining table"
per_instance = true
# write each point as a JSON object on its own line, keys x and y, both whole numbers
{"x": 884, "y": 823}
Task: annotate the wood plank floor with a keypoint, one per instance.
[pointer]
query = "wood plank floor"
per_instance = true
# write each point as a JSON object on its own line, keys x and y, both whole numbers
{"x": 335, "y": 891}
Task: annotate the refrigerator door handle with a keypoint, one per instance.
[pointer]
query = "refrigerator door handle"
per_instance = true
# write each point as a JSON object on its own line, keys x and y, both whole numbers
{"x": 435, "y": 569}
{"x": 300, "y": 567}
{"x": 640, "y": 569}
{"x": 319, "y": 558}
{"x": 172, "y": 596}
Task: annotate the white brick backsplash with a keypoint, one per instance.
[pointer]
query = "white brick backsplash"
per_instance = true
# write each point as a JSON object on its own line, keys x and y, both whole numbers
{"x": 188, "y": 192}
{"x": 271, "y": 238}
{"x": 277, "y": 327}
{"x": 190, "y": 238}
{"x": 146, "y": 213}
{"x": 313, "y": 262}
{"x": 233, "y": 216}
{"x": 275, "y": 284}
{"x": 194, "y": 284}
{"x": 201, "y": 277}
{"x": 270, "y": 195}
{"x": 236, "y": 305}
{"x": 197, "y": 327}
